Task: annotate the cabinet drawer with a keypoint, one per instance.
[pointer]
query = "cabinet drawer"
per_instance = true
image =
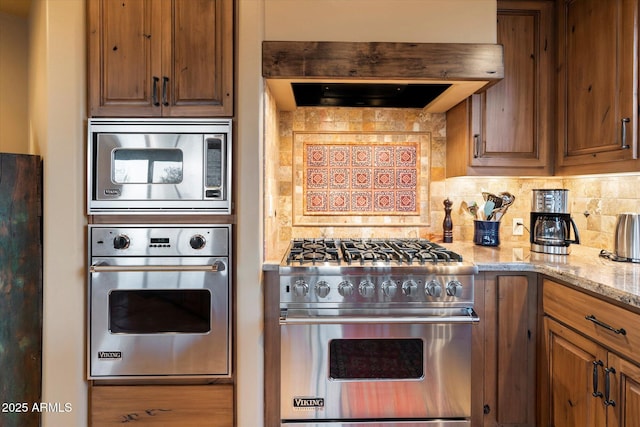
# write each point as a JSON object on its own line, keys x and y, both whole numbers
{"x": 572, "y": 307}
{"x": 162, "y": 406}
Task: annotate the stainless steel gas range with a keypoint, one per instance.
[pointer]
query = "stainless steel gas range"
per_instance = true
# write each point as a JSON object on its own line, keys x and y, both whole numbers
{"x": 375, "y": 333}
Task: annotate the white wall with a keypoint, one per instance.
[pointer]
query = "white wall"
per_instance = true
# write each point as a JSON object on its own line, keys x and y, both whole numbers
{"x": 57, "y": 112}
{"x": 249, "y": 294}
{"x": 14, "y": 50}
{"x": 428, "y": 21}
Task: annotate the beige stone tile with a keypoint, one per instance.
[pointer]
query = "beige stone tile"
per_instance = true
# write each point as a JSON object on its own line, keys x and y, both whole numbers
{"x": 603, "y": 197}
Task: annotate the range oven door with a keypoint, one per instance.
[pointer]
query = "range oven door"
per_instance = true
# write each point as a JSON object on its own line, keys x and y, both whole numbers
{"x": 167, "y": 319}
{"x": 389, "y": 368}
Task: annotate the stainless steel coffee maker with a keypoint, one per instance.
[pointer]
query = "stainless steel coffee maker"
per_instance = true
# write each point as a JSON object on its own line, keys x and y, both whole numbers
{"x": 551, "y": 222}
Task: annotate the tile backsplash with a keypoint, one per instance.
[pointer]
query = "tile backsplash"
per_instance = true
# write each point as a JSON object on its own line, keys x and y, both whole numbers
{"x": 594, "y": 200}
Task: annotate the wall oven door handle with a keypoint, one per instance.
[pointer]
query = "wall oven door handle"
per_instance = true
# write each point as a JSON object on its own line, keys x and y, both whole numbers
{"x": 213, "y": 268}
{"x": 286, "y": 319}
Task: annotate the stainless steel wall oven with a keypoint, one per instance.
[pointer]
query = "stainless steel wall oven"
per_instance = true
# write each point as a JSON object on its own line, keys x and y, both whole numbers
{"x": 159, "y": 302}
{"x": 375, "y": 333}
{"x": 159, "y": 166}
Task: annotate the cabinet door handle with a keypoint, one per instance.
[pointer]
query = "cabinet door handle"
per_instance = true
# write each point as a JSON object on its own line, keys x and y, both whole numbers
{"x": 165, "y": 82}
{"x": 600, "y": 323}
{"x": 607, "y": 387}
{"x": 596, "y": 392}
{"x": 623, "y": 136}
{"x": 476, "y": 146}
{"x": 154, "y": 91}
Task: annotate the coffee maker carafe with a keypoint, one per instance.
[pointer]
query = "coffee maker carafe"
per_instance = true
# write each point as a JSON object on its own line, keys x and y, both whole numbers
{"x": 551, "y": 222}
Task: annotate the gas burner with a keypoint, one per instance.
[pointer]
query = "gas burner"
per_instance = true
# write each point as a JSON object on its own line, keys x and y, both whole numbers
{"x": 367, "y": 251}
{"x": 313, "y": 250}
{"x": 424, "y": 251}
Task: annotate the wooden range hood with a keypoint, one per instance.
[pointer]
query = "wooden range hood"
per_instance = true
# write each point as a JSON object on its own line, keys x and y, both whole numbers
{"x": 371, "y": 74}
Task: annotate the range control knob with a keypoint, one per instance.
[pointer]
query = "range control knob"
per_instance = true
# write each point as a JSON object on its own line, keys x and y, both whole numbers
{"x": 322, "y": 289}
{"x": 121, "y": 241}
{"x": 197, "y": 242}
{"x": 300, "y": 288}
{"x": 410, "y": 288}
{"x": 433, "y": 289}
{"x": 454, "y": 288}
{"x": 367, "y": 289}
{"x": 389, "y": 288}
{"x": 345, "y": 288}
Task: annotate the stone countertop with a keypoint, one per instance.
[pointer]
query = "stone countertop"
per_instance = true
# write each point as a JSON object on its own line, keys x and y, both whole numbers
{"x": 583, "y": 268}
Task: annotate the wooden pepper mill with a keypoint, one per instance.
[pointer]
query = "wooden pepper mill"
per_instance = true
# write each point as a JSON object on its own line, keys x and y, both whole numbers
{"x": 447, "y": 224}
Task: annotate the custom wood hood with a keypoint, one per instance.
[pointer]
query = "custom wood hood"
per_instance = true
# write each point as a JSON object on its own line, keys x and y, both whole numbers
{"x": 461, "y": 68}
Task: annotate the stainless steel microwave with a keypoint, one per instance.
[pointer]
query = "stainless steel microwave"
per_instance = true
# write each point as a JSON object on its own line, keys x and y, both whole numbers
{"x": 159, "y": 166}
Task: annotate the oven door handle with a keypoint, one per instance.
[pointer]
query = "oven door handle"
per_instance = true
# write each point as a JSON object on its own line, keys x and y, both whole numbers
{"x": 285, "y": 319}
{"x": 101, "y": 268}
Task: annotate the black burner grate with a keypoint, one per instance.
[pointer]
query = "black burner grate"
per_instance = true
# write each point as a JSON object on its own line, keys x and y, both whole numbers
{"x": 312, "y": 251}
{"x": 368, "y": 251}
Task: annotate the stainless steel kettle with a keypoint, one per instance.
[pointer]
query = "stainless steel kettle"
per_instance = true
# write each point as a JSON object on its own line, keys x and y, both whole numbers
{"x": 627, "y": 237}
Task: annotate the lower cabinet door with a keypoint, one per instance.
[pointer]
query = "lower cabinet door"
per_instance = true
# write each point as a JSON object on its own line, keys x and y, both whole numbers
{"x": 624, "y": 398}
{"x": 162, "y": 406}
{"x": 576, "y": 371}
{"x": 510, "y": 336}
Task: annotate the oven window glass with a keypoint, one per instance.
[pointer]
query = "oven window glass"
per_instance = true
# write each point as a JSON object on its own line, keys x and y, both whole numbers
{"x": 147, "y": 166}
{"x": 160, "y": 311}
{"x": 364, "y": 359}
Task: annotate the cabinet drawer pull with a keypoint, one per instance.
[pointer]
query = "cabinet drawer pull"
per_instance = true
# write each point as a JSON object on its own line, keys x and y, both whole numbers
{"x": 607, "y": 387}
{"x": 476, "y": 146}
{"x": 165, "y": 81}
{"x": 154, "y": 91}
{"x": 596, "y": 392}
{"x": 623, "y": 136}
{"x": 593, "y": 319}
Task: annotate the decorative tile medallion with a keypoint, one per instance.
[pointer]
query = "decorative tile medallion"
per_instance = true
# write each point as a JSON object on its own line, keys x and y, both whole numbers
{"x": 316, "y": 201}
{"x": 363, "y": 178}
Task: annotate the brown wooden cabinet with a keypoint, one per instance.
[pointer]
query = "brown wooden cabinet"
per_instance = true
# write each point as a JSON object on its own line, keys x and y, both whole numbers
{"x": 160, "y": 58}
{"x": 583, "y": 356}
{"x": 506, "y": 343}
{"x": 162, "y": 405}
{"x": 572, "y": 359}
{"x": 597, "y": 82}
{"x": 271, "y": 348}
{"x": 626, "y": 382}
{"x": 507, "y": 130}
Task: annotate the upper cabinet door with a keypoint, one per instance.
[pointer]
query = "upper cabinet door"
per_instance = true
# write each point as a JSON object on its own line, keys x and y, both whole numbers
{"x": 598, "y": 65}
{"x": 510, "y": 126}
{"x": 515, "y": 126}
{"x": 160, "y": 58}
{"x": 124, "y": 36}
{"x": 197, "y": 64}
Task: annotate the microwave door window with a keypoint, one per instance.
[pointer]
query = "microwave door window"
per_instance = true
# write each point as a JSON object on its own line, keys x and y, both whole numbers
{"x": 147, "y": 166}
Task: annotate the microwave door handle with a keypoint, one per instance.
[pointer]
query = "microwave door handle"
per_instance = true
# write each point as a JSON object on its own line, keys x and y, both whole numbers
{"x": 223, "y": 168}
{"x": 100, "y": 268}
